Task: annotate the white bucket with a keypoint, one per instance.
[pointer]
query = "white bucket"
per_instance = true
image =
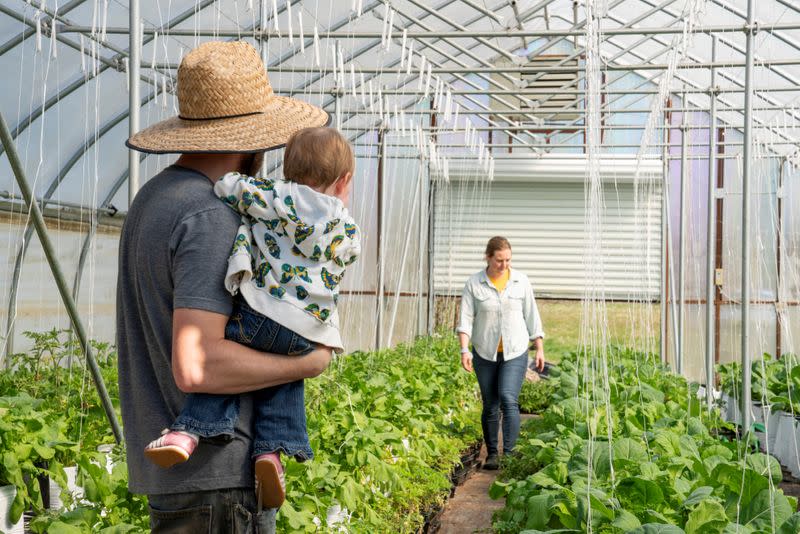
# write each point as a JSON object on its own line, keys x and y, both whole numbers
{"x": 787, "y": 447}
{"x": 72, "y": 487}
{"x": 7, "y": 495}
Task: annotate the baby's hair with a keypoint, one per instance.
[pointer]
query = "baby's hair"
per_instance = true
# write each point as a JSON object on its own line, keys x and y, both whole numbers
{"x": 317, "y": 157}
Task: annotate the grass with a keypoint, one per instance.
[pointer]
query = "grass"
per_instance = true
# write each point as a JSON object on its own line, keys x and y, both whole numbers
{"x": 629, "y": 324}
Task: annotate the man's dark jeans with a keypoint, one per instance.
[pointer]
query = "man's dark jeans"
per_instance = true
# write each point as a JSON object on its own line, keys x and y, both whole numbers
{"x": 230, "y": 511}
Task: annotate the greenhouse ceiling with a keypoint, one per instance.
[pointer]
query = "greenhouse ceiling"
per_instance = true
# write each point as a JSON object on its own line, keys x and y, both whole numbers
{"x": 502, "y": 62}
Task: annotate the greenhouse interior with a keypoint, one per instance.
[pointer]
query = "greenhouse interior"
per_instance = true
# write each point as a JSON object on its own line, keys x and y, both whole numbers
{"x": 642, "y": 159}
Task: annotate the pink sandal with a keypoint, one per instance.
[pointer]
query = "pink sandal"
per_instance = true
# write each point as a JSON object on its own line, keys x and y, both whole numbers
{"x": 173, "y": 447}
{"x": 270, "y": 480}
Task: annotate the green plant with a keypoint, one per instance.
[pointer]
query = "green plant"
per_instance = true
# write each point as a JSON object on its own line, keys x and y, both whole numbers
{"x": 534, "y": 397}
{"x": 33, "y": 443}
{"x": 107, "y": 506}
{"x": 664, "y": 469}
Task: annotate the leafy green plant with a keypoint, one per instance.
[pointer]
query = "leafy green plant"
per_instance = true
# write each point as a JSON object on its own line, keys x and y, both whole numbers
{"x": 534, "y": 397}
{"x": 33, "y": 443}
{"x": 387, "y": 429}
{"x": 106, "y": 506}
{"x": 665, "y": 468}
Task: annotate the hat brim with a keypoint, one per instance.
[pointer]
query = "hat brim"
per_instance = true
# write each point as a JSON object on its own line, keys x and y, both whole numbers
{"x": 258, "y": 132}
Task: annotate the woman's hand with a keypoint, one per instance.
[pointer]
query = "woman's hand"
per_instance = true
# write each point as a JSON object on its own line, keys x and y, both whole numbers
{"x": 539, "y": 359}
{"x": 466, "y": 361}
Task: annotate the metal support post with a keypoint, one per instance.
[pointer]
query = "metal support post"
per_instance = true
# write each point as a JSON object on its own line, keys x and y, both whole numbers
{"x": 134, "y": 99}
{"x": 679, "y": 345}
{"x": 63, "y": 289}
{"x": 710, "y": 233}
{"x": 381, "y": 238}
{"x": 750, "y": 30}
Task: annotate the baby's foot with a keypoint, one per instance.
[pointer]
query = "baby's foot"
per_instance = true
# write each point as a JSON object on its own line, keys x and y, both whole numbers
{"x": 173, "y": 447}
{"x": 270, "y": 481}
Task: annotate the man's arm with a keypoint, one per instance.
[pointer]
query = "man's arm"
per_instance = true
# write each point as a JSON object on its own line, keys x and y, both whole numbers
{"x": 203, "y": 361}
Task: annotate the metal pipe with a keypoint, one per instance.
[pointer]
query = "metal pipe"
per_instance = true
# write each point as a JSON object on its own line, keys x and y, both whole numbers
{"x": 664, "y": 254}
{"x": 52, "y": 260}
{"x": 381, "y": 238}
{"x": 135, "y": 44}
{"x": 703, "y": 157}
{"x": 423, "y": 217}
{"x": 528, "y": 70}
{"x": 485, "y": 34}
{"x": 291, "y": 91}
{"x": 750, "y": 30}
{"x": 710, "y": 233}
{"x": 682, "y": 243}
{"x": 564, "y": 111}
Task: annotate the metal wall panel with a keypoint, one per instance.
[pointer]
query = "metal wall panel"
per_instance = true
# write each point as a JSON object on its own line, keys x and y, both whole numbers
{"x": 544, "y": 221}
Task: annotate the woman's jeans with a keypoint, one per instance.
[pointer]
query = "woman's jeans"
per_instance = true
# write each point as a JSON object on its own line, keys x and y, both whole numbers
{"x": 500, "y": 384}
{"x": 280, "y": 415}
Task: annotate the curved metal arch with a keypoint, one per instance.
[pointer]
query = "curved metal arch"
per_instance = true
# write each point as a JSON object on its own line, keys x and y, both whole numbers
{"x": 20, "y": 257}
{"x": 24, "y": 34}
{"x": 23, "y": 248}
{"x": 77, "y": 84}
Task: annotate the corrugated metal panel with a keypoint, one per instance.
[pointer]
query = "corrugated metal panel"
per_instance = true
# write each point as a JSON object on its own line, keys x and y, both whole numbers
{"x": 544, "y": 221}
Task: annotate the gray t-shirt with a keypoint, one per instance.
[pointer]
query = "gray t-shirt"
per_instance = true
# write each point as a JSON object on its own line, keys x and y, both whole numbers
{"x": 173, "y": 253}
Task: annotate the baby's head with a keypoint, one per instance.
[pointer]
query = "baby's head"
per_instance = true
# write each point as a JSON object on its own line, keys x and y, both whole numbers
{"x": 321, "y": 159}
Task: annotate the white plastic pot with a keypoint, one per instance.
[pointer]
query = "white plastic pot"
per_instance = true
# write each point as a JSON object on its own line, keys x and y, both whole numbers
{"x": 7, "y": 495}
{"x": 787, "y": 446}
{"x": 773, "y": 426}
{"x": 75, "y": 490}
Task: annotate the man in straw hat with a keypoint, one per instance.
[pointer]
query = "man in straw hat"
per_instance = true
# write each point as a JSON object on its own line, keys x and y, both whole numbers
{"x": 172, "y": 306}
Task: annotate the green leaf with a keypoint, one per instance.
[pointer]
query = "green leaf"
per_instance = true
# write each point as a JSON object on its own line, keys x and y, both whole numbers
{"x": 627, "y": 450}
{"x": 708, "y": 516}
{"x": 758, "y": 513}
{"x": 645, "y": 493}
{"x": 764, "y": 465}
{"x": 657, "y": 528}
{"x": 552, "y": 476}
{"x": 499, "y": 489}
{"x": 736, "y": 528}
{"x": 698, "y": 495}
{"x": 791, "y": 525}
{"x": 59, "y": 527}
{"x": 539, "y": 511}
{"x": 626, "y": 521}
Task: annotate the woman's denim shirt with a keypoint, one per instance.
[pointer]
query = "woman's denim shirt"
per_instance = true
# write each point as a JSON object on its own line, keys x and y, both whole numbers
{"x": 487, "y": 314}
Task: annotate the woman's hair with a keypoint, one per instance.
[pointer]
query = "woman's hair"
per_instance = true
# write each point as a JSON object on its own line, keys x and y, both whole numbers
{"x": 317, "y": 157}
{"x": 497, "y": 243}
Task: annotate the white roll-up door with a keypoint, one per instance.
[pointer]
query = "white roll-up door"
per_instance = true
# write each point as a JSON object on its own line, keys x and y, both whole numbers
{"x": 545, "y": 222}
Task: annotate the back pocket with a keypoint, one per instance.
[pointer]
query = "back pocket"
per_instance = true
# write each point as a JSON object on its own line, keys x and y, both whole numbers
{"x": 196, "y": 520}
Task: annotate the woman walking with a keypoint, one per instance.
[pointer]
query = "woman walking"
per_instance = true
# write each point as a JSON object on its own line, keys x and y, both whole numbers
{"x": 500, "y": 317}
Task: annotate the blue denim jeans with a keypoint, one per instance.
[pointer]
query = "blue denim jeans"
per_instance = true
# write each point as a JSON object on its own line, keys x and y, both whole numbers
{"x": 280, "y": 414}
{"x": 500, "y": 383}
{"x": 231, "y": 511}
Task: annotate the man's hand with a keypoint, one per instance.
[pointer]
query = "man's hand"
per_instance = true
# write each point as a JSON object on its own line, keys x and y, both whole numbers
{"x": 319, "y": 358}
{"x": 466, "y": 361}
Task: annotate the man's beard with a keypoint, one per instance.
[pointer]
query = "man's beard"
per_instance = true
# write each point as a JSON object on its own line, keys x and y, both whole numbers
{"x": 251, "y": 164}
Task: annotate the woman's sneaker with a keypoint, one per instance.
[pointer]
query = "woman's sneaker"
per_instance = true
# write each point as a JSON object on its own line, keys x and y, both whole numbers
{"x": 173, "y": 447}
{"x": 270, "y": 480}
{"x": 492, "y": 462}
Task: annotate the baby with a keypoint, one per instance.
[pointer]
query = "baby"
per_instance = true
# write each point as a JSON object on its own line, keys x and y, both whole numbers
{"x": 290, "y": 254}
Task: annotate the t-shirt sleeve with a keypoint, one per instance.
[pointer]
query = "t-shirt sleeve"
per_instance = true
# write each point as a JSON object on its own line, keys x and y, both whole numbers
{"x": 201, "y": 244}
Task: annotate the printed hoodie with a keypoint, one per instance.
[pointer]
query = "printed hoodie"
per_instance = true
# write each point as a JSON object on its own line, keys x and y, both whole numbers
{"x": 290, "y": 253}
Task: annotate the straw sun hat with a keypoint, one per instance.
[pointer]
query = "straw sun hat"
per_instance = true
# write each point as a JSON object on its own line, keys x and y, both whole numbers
{"x": 226, "y": 105}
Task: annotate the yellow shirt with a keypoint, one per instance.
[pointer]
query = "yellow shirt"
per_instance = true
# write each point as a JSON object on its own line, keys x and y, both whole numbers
{"x": 500, "y": 284}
